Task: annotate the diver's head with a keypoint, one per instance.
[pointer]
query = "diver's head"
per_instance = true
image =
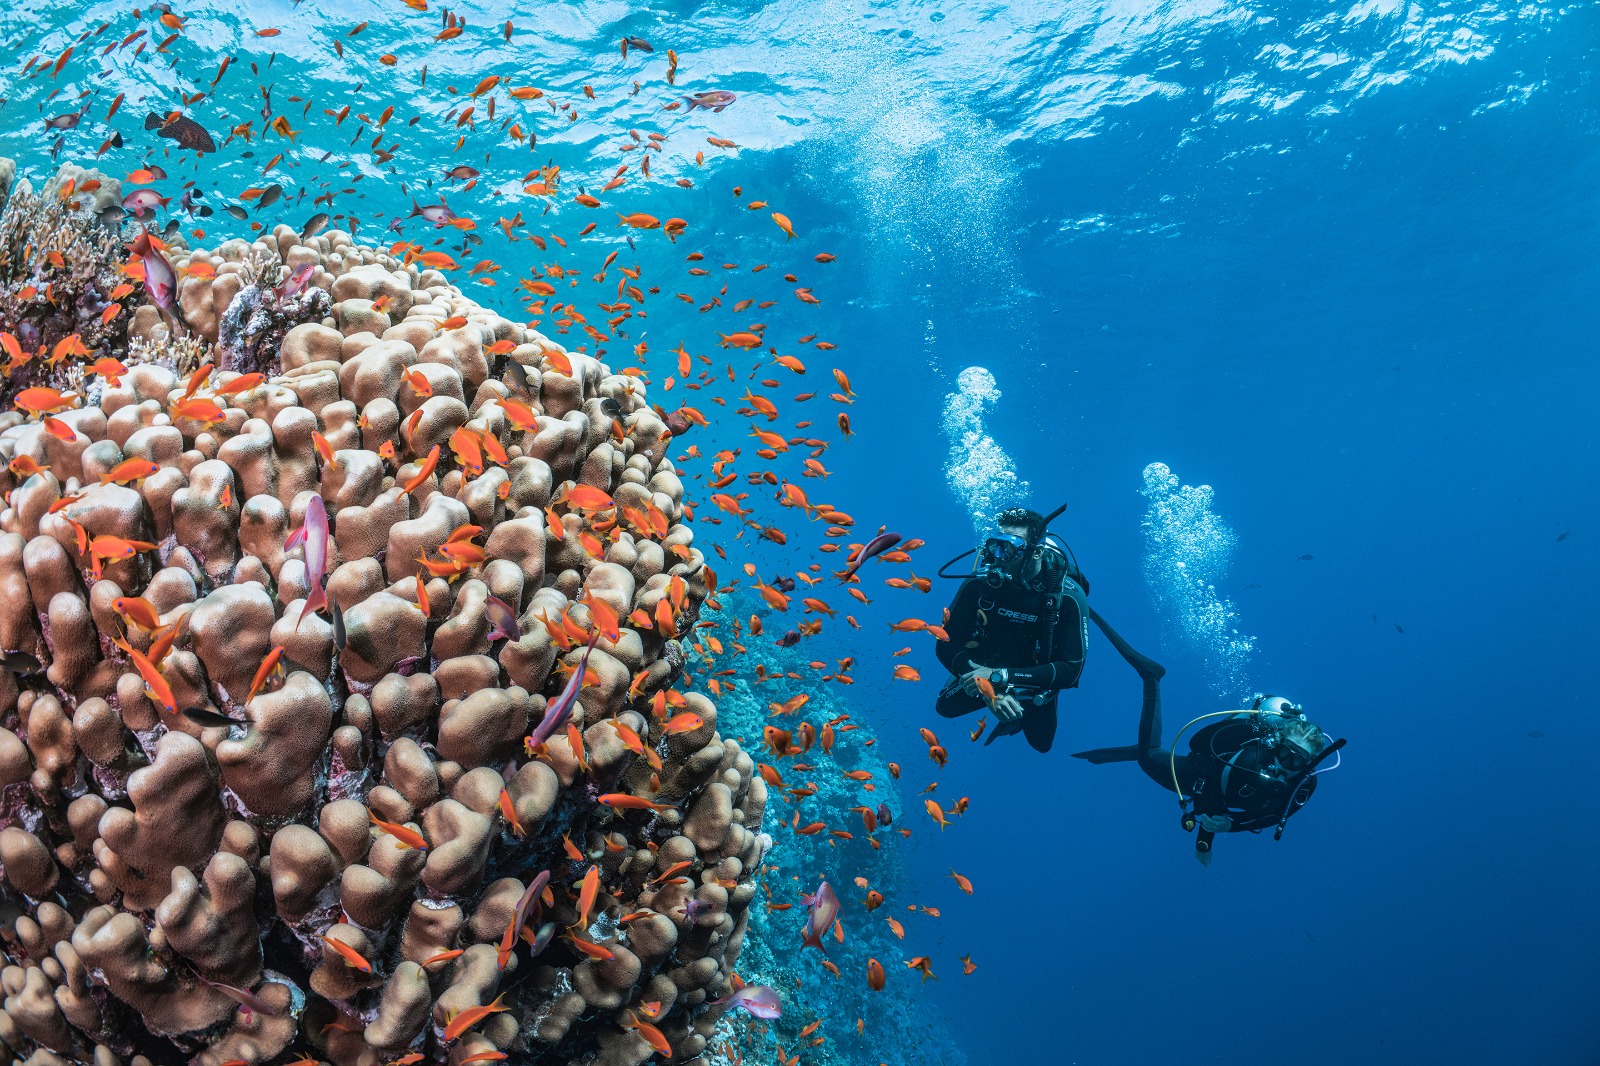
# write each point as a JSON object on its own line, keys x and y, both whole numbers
{"x": 1009, "y": 554}
{"x": 1296, "y": 741}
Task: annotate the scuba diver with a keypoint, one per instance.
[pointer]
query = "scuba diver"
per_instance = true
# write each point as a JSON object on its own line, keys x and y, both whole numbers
{"x": 1019, "y": 624}
{"x": 1247, "y": 771}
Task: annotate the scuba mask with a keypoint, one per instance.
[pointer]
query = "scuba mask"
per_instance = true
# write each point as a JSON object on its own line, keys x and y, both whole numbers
{"x": 1002, "y": 555}
{"x": 1293, "y": 740}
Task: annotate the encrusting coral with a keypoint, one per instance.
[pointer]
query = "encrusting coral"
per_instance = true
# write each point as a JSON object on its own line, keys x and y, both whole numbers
{"x": 273, "y": 649}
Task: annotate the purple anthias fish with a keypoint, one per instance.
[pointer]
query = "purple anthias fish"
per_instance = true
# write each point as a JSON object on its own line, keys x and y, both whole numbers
{"x": 782, "y": 584}
{"x": 876, "y": 546}
{"x": 142, "y": 202}
{"x": 885, "y": 815}
{"x": 694, "y": 908}
{"x": 556, "y": 715}
{"x": 525, "y": 904}
{"x": 789, "y": 639}
{"x": 439, "y": 214}
{"x": 313, "y": 534}
{"x": 823, "y": 908}
{"x": 760, "y": 1000}
{"x": 502, "y": 620}
{"x": 249, "y": 1002}
{"x": 715, "y": 100}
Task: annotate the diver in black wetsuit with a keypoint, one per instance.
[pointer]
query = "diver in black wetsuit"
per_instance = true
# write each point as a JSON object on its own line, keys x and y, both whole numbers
{"x": 1247, "y": 771}
{"x": 1019, "y": 622}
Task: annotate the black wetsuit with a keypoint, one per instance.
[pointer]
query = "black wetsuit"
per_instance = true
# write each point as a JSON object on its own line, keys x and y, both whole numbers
{"x": 1218, "y": 773}
{"x": 1040, "y": 636}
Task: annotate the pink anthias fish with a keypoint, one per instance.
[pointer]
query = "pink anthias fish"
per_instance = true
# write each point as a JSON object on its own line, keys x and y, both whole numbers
{"x": 296, "y": 281}
{"x": 556, "y": 715}
{"x": 759, "y": 1000}
{"x": 160, "y": 279}
{"x": 141, "y": 202}
{"x": 313, "y": 534}
{"x": 824, "y": 908}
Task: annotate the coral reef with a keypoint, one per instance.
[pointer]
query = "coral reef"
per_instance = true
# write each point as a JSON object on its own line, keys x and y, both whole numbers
{"x": 264, "y": 787}
{"x": 59, "y": 266}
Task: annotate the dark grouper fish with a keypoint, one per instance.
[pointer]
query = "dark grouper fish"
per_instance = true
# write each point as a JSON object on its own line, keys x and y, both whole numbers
{"x": 186, "y": 131}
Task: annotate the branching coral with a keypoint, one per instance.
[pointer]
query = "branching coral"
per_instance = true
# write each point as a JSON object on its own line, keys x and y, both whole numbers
{"x": 182, "y": 886}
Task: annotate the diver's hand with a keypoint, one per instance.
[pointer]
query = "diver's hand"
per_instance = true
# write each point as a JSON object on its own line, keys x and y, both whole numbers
{"x": 1216, "y": 823}
{"x": 969, "y": 680}
{"x": 1007, "y": 708}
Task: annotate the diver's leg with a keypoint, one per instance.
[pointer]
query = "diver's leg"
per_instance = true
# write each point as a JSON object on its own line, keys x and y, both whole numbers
{"x": 1147, "y": 667}
{"x": 1147, "y": 751}
{"x": 1039, "y": 725}
{"x": 1154, "y": 761}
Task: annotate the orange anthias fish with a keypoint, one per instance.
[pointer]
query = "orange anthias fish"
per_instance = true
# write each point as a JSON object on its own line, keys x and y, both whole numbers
{"x": 42, "y": 401}
{"x": 425, "y": 472}
{"x": 156, "y": 686}
{"x": 624, "y": 801}
{"x": 115, "y": 549}
{"x": 586, "y": 896}
{"x": 348, "y": 953}
{"x": 405, "y": 836}
{"x": 509, "y": 811}
{"x": 128, "y": 470}
{"x": 138, "y": 611}
{"x": 588, "y": 498}
{"x": 461, "y": 1021}
{"x": 270, "y": 665}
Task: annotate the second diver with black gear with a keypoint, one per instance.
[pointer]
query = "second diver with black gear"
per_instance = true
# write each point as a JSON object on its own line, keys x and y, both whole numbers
{"x": 1019, "y": 621}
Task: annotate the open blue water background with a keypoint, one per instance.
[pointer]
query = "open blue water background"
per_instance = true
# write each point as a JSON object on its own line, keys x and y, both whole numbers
{"x": 1339, "y": 262}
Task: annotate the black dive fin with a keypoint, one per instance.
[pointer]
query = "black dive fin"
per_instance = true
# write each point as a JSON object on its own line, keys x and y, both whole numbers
{"x": 1105, "y": 755}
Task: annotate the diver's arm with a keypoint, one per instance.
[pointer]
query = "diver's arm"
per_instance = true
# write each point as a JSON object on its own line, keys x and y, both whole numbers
{"x": 1046, "y": 676}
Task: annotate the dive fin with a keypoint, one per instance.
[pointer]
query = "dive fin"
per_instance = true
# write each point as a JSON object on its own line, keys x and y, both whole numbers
{"x": 1105, "y": 755}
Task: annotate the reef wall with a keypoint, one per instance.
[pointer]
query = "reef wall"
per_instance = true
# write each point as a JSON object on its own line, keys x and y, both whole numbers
{"x": 172, "y": 884}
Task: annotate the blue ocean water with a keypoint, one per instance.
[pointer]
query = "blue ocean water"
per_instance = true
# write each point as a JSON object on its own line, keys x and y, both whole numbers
{"x": 1337, "y": 264}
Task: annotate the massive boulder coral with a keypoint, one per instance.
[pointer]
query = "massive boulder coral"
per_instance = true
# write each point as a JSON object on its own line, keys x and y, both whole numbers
{"x": 204, "y": 859}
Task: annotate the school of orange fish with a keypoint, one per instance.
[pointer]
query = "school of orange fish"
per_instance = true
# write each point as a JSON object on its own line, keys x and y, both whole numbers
{"x": 543, "y": 211}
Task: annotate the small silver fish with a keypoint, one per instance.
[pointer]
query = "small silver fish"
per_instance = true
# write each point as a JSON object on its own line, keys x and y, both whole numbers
{"x": 66, "y": 121}
{"x": 314, "y": 225}
{"x": 439, "y": 214}
{"x": 714, "y": 101}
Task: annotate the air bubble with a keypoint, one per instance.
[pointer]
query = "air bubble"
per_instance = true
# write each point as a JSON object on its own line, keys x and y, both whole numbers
{"x": 979, "y": 471}
{"x": 1188, "y": 548}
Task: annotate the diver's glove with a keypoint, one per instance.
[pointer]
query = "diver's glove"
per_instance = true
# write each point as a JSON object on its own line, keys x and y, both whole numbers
{"x": 996, "y": 676}
{"x": 1007, "y": 707}
{"x": 1217, "y": 823}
